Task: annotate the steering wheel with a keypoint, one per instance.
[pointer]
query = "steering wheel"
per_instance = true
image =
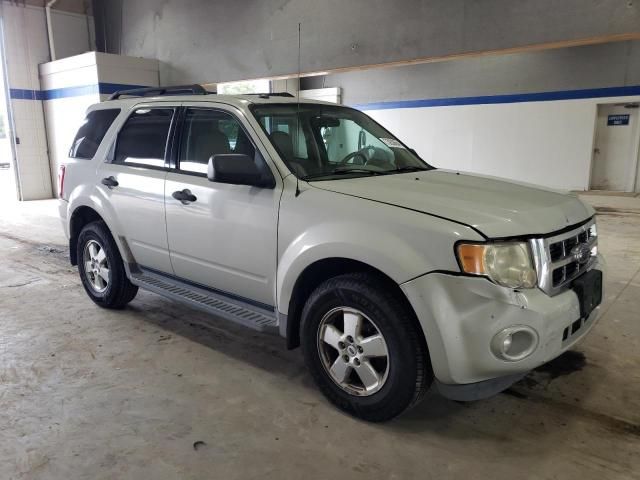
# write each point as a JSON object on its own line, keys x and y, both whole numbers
{"x": 362, "y": 154}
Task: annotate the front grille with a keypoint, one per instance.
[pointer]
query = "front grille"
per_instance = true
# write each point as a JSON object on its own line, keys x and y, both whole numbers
{"x": 555, "y": 258}
{"x": 557, "y": 251}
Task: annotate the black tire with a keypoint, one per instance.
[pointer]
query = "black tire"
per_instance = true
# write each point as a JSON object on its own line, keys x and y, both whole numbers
{"x": 409, "y": 369}
{"x": 119, "y": 290}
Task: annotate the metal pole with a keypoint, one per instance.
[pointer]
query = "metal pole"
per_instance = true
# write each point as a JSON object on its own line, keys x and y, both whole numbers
{"x": 52, "y": 46}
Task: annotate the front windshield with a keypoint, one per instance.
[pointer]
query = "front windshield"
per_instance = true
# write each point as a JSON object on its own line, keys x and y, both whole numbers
{"x": 324, "y": 142}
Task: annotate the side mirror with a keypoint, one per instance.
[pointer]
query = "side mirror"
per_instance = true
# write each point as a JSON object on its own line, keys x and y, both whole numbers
{"x": 236, "y": 169}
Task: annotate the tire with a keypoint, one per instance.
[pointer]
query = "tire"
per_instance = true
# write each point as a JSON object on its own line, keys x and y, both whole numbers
{"x": 399, "y": 380}
{"x": 114, "y": 290}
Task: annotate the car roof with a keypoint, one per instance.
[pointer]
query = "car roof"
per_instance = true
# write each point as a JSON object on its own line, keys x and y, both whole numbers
{"x": 239, "y": 101}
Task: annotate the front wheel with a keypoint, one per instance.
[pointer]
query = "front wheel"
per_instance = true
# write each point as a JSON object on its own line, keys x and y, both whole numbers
{"x": 364, "y": 348}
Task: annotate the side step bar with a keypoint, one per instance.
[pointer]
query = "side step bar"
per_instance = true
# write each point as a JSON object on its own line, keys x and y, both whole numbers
{"x": 215, "y": 303}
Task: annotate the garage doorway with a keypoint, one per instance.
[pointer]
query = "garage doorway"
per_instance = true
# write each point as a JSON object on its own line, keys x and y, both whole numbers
{"x": 8, "y": 191}
{"x": 615, "y": 152}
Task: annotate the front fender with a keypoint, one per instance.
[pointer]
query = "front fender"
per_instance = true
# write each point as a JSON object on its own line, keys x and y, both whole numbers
{"x": 402, "y": 244}
{"x": 387, "y": 253}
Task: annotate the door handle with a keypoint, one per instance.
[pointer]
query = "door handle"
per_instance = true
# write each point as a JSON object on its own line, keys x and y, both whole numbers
{"x": 185, "y": 196}
{"x": 110, "y": 182}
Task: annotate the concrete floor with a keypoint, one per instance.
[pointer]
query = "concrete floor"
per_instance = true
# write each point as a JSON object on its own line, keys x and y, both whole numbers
{"x": 161, "y": 391}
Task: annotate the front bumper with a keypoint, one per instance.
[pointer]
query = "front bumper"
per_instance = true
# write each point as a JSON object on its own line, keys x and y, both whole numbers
{"x": 460, "y": 316}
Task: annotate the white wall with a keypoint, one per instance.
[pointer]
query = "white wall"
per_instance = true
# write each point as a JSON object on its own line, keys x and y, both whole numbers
{"x": 64, "y": 115}
{"x": 27, "y": 46}
{"x": 330, "y": 94}
{"x": 548, "y": 143}
{"x": 25, "y": 39}
{"x": 124, "y": 70}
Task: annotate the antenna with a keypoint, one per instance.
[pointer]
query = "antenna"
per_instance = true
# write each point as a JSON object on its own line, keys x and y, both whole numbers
{"x": 298, "y": 112}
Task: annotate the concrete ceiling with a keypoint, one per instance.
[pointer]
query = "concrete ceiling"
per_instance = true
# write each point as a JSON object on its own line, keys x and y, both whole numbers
{"x": 74, "y": 6}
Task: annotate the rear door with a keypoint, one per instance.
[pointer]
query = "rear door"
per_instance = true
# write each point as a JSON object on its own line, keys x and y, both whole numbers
{"x": 135, "y": 179}
{"x": 226, "y": 237}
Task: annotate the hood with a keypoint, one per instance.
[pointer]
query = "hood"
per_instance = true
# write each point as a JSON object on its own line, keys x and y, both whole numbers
{"x": 495, "y": 207}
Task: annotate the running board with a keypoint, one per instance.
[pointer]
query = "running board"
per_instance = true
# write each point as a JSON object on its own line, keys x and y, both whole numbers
{"x": 215, "y": 303}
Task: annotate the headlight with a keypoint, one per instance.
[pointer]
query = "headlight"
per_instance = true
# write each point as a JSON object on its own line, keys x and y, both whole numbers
{"x": 508, "y": 264}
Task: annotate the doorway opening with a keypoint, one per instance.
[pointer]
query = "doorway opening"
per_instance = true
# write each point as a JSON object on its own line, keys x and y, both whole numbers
{"x": 615, "y": 149}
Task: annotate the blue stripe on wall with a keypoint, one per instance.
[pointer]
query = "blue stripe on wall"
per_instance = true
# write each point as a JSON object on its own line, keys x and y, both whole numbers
{"x": 109, "y": 88}
{"x": 513, "y": 98}
{"x": 23, "y": 94}
{"x": 70, "y": 92}
{"x": 54, "y": 94}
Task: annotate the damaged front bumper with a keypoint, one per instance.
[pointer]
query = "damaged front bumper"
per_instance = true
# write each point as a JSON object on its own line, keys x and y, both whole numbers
{"x": 467, "y": 320}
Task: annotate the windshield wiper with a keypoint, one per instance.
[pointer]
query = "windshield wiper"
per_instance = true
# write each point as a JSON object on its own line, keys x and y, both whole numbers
{"x": 342, "y": 171}
{"x": 413, "y": 168}
{"x": 345, "y": 171}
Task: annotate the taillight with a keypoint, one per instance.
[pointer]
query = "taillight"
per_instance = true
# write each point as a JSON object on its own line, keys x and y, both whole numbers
{"x": 61, "y": 172}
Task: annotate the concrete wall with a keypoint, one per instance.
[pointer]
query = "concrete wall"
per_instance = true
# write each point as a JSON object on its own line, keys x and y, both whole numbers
{"x": 204, "y": 41}
{"x": 527, "y": 117}
{"x": 108, "y": 25}
{"x": 594, "y": 66}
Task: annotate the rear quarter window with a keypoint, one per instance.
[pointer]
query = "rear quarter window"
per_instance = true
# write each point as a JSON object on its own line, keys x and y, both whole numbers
{"x": 91, "y": 132}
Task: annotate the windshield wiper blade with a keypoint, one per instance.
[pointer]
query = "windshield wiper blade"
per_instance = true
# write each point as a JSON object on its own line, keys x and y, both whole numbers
{"x": 342, "y": 171}
{"x": 413, "y": 168}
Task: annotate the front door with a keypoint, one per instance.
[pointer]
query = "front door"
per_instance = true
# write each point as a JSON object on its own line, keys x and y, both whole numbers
{"x": 135, "y": 179}
{"x": 615, "y": 151}
{"x": 225, "y": 236}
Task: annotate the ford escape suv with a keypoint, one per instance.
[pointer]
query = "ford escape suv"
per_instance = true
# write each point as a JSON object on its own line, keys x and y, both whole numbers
{"x": 311, "y": 221}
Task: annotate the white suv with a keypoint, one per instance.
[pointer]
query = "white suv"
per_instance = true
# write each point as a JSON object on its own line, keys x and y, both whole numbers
{"x": 311, "y": 221}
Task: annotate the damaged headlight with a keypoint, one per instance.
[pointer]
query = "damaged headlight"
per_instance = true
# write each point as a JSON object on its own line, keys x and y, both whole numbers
{"x": 506, "y": 263}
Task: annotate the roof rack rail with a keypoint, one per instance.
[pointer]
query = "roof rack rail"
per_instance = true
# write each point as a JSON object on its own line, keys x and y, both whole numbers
{"x": 273, "y": 94}
{"x": 160, "y": 91}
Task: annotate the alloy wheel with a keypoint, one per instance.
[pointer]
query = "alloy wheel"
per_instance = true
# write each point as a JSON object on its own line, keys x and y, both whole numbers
{"x": 96, "y": 266}
{"x": 353, "y": 351}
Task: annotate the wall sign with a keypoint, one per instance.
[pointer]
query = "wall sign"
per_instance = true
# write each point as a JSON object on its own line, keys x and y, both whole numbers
{"x": 616, "y": 120}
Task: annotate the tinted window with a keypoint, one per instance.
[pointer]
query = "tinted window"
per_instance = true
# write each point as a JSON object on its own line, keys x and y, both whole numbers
{"x": 143, "y": 138}
{"x": 91, "y": 133}
{"x": 207, "y": 133}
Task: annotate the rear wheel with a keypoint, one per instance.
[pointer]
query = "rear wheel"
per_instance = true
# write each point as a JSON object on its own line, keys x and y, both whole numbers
{"x": 101, "y": 268}
{"x": 364, "y": 348}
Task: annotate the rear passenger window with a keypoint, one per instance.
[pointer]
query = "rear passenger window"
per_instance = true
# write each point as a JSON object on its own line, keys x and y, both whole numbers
{"x": 91, "y": 133}
{"x": 142, "y": 141}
